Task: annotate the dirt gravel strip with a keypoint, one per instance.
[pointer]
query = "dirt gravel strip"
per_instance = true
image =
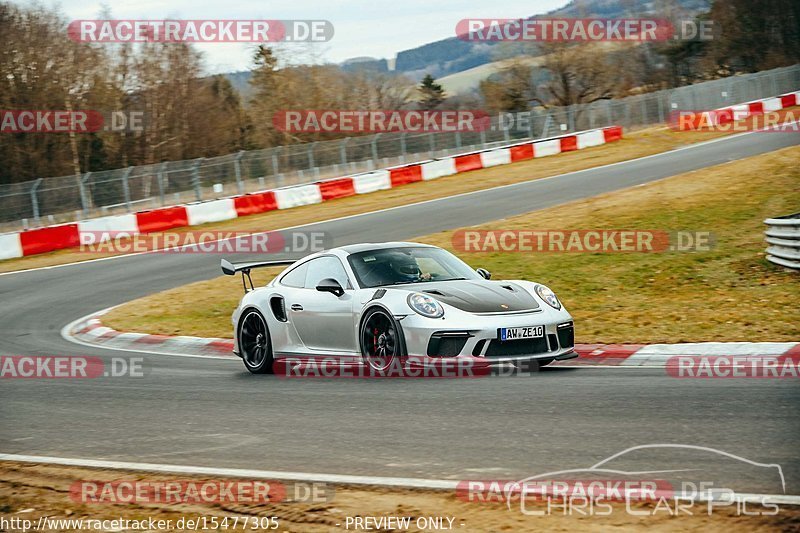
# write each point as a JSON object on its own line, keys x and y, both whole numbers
{"x": 36, "y": 491}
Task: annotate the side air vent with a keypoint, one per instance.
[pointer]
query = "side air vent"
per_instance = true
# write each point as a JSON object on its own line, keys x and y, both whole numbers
{"x": 510, "y": 288}
{"x": 434, "y": 291}
{"x": 379, "y": 294}
{"x": 278, "y": 308}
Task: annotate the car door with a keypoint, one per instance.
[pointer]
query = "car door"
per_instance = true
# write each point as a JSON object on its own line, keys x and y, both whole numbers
{"x": 323, "y": 320}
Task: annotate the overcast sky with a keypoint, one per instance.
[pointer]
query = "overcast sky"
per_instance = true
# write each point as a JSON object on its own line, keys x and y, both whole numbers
{"x": 377, "y": 28}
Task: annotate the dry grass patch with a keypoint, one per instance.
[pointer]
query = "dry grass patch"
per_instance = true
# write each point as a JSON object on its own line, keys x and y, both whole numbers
{"x": 727, "y": 294}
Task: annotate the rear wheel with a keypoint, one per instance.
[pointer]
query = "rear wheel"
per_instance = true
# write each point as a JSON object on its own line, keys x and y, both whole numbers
{"x": 254, "y": 343}
{"x": 381, "y": 340}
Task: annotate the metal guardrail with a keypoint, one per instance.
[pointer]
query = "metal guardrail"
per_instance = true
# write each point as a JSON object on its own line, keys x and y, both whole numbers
{"x": 783, "y": 238}
{"x": 54, "y": 200}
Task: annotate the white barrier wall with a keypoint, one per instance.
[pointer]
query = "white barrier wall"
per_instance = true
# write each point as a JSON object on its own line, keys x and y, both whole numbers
{"x": 437, "y": 169}
{"x": 501, "y": 156}
{"x": 371, "y": 182}
{"x": 297, "y": 196}
{"x": 545, "y": 148}
{"x": 97, "y": 230}
{"x": 10, "y": 247}
{"x": 213, "y": 211}
{"x": 772, "y": 104}
{"x": 590, "y": 138}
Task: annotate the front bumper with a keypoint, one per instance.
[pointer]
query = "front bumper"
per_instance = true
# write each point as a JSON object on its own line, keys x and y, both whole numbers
{"x": 477, "y": 337}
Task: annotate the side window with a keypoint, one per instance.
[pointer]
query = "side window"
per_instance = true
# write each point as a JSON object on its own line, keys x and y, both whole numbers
{"x": 326, "y": 267}
{"x": 296, "y": 277}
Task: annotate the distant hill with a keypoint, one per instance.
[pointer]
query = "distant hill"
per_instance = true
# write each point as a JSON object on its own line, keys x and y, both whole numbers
{"x": 463, "y": 64}
{"x": 453, "y": 55}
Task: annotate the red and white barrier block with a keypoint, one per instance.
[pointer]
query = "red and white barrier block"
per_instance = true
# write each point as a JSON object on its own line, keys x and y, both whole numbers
{"x": 93, "y": 231}
{"x": 727, "y": 115}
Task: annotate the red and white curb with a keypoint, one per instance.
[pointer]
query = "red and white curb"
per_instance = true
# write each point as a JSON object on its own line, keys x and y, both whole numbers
{"x": 657, "y": 355}
{"x": 91, "y": 331}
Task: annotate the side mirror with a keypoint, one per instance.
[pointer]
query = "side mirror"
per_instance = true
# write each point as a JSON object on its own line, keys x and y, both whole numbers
{"x": 330, "y": 285}
{"x": 485, "y": 274}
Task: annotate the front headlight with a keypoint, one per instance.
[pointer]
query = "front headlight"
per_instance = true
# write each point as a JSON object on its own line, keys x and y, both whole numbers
{"x": 425, "y": 305}
{"x": 548, "y": 296}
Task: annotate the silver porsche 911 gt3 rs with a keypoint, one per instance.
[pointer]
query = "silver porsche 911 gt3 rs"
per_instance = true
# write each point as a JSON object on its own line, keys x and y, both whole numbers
{"x": 375, "y": 304}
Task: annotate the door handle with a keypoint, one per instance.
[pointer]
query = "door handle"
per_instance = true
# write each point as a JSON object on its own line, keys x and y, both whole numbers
{"x": 297, "y": 307}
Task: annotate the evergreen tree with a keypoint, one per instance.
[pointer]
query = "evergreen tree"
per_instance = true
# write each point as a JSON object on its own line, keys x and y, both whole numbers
{"x": 432, "y": 93}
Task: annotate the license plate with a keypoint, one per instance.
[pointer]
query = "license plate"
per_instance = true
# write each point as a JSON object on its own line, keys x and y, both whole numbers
{"x": 529, "y": 332}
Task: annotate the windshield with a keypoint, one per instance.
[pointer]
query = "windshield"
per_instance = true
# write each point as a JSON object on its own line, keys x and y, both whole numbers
{"x": 396, "y": 266}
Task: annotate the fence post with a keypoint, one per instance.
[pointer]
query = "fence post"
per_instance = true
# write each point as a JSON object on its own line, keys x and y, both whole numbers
{"x": 237, "y": 168}
{"x": 343, "y": 150}
{"x": 530, "y": 124}
{"x": 403, "y": 145}
{"x": 275, "y": 152}
{"x": 627, "y": 115}
{"x": 161, "y": 170}
{"x": 458, "y": 139}
{"x": 644, "y": 110}
{"x": 375, "y": 147}
{"x": 432, "y": 143}
{"x": 310, "y": 150}
{"x": 126, "y": 190}
{"x": 546, "y": 127}
{"x": 196, "y": 178}
{"x": 35, "y": 200}
{"x": 84, "y": 197}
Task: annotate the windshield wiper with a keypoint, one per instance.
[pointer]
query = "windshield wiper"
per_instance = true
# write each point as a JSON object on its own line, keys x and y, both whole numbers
{"x": 399, "y": 283}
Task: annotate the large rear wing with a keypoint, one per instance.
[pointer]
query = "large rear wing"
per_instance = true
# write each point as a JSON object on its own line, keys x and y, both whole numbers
{"x": 230, "y": 269}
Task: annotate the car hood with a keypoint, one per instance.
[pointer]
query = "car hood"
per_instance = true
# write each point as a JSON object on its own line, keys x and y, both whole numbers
{"x": 477, "y": 296}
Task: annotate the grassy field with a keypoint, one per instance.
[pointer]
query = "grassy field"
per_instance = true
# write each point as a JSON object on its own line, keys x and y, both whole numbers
{"x": 729, "y": 293}
{"x": 635, "y": 145}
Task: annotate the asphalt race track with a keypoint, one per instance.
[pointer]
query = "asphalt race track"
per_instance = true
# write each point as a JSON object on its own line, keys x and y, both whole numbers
{"x": 211, "y": 412}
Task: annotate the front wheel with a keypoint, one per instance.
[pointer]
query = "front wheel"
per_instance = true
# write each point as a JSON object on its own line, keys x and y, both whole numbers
{"x": 381, "y": 340}
{"x": 254, "y": 343}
